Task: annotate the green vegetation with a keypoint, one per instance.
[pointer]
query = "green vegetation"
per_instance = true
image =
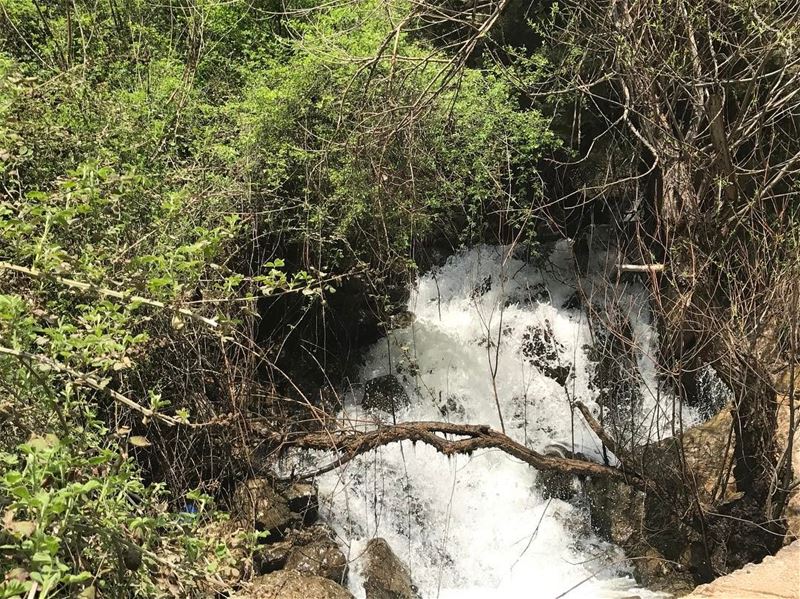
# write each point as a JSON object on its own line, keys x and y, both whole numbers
{"x": 162, "y": 166}
{"x": 207, "y": 205}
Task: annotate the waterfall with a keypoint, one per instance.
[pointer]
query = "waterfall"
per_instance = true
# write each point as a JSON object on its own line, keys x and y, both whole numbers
{"x": 491, "y": 329}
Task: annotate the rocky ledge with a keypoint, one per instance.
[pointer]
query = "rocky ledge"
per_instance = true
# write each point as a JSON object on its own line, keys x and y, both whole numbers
{"x": 777, "y": 577}
{"x": 297, "y": 557}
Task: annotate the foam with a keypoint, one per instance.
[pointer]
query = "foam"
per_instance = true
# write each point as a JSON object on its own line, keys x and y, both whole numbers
{"x": 477, "y": 526}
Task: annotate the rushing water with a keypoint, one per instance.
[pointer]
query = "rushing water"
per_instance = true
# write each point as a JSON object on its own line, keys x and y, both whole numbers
{"x": 477, "y": 526}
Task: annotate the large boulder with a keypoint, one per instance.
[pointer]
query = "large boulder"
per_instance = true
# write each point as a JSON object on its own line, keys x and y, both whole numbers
{"x": 543, "y": 351}
{"x": 290, "y": 584}
{"x": 385, "y": 575}
{"x": 668, "y": 553}
{"x": 320, "y": 558}
{"x": 384, "y": 393}
{"x": 257, "y": 503}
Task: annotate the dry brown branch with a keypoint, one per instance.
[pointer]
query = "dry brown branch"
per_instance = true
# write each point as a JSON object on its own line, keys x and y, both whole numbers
{"x": 607, "y": 440}
{"x": 448, "y": 439}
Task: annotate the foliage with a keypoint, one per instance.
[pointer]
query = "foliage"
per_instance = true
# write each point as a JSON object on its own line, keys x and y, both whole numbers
{"x": 81, "y": 523}
{"x": 368, "y": 151}
{"x": 163, "y": 165}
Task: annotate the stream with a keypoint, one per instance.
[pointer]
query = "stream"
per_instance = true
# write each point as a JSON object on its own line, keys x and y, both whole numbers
{"x": 491, "y": 329}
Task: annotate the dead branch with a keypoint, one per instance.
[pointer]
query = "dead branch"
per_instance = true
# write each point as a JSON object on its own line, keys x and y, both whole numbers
{"x": 608, "y": 441}
{"x": 641, "y": 267}
{"x": 447, "y": 438}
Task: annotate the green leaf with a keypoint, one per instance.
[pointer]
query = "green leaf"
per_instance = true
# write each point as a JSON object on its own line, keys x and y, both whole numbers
{"x": 41, "y": 558}
{"x": 78, "y": 578}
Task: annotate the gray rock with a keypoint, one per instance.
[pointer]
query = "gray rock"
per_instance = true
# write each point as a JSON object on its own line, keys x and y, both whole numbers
{"x": 320, "y": 558}
{"x": 402, "y": 319}
{"x": 555, "y": 484}
{"x": 290, "y": 584}
{"x": 451, "y": 407}
{"x": 385, "y": 575}
{"x": 302, "y": 499}
{"x": 384, "y": 393}
{"x": 542, "y": 350}
{"x": 273, "y": 556}
{"x": 256, "y": 502}
{"x": 268, "y": 558}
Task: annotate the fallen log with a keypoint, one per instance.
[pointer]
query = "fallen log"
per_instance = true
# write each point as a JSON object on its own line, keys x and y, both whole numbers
{"x": 447, "y": 438}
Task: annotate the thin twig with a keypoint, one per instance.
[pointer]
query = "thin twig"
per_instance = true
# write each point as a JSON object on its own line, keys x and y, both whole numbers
{"x": 36, "y": 273}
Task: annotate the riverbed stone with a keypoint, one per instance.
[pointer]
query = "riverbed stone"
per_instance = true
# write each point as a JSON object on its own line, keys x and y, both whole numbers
{"x": 320, "y": 558}
{"x": 291, "y": 584}
{"x": 668, "y": 555}
{"x": 384, "y": 393}
{"x": 385, "y": 575}
{"x": 555, "y": 484}
{"x": 543, "y": 351}
{"x": 302, "y": 498}
{"x": 273, "y": 556}
{"x": 255, "y": 501}
{"x": 402, "y": 319}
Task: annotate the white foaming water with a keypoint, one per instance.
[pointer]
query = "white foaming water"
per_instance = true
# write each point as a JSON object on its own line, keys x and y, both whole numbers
{"x": 477, "y": 526}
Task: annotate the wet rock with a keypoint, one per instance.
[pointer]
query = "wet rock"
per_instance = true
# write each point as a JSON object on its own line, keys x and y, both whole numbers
{"x": 540, "y": 347}
{"x": 704, "y": 390}
{"x": 402, "y": 320}
{"x": 668, "y": 553}
{"x": 320, "y": 558}
{"x": 302, "y": 499}
{"x": 451, "y": 407}
{"x": 615, "y": 375}
{"x": 384, "y": 393}
{"x": 385, "y": 575}
{"x": 559, "y": 485}
{"x": 573, "y": 302}
{"x": 623, "y": 516}
{"x": 256, "y": 502}
{"x": 290, "y": 584}
{"x": 274, "y": 556}
{"x": 617, "y": 510}
{"x": 481, "y": 288}
{"x": 530, "y": 294}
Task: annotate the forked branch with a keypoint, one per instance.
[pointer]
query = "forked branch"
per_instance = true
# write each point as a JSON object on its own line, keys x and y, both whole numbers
{"x": 447, "y": 438}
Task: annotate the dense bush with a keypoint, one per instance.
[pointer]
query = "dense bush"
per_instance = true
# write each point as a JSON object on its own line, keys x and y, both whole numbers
{"x": 158, "y": 161}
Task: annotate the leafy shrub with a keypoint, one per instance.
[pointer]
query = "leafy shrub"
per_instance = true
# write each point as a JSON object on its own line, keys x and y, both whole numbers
{"x": 80, "y": 523}
{"x": 162, "y": 167}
